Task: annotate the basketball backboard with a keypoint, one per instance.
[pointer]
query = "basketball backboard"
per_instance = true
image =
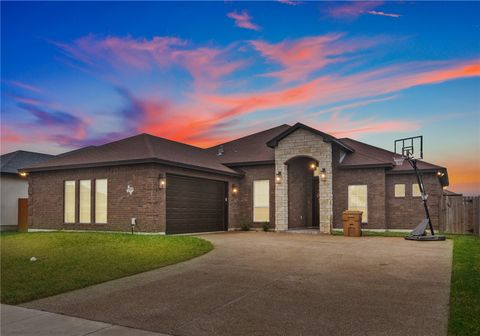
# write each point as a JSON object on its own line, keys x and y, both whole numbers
{"x": 410, "y": 147}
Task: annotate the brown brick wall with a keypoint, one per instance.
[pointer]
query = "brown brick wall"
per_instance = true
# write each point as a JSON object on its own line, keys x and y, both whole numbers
{"x": 245, "y": 194}
{"x": 407, "y": 212}
{"x": 374, "y": 178}
{"x": 147, "y": 203}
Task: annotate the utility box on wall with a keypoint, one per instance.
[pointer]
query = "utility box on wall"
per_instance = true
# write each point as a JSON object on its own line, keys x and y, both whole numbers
{"x": 352, "y": 223}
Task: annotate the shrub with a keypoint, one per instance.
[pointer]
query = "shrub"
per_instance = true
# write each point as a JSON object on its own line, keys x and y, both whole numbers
{"x": 245, "y": 226}
{"x": 266, "y": 226}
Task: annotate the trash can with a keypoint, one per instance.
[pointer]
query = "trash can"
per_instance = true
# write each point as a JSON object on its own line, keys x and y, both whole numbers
{"x": 352, "y": 223}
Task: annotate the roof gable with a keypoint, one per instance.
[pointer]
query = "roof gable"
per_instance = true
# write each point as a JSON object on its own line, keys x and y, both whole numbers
{"x": 326, "y": 137}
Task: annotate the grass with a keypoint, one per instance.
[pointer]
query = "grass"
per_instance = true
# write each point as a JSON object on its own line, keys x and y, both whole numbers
{"x": 68, "y": 261}
{"x": 465, "y": 288}
{"x": 465, "y": 284}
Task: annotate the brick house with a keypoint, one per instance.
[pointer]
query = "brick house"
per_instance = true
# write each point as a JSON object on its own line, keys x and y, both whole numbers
{"x": 292, "y": 177}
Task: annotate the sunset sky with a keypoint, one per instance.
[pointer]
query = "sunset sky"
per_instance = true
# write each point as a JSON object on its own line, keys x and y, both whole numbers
{"x": 76, "y": 74}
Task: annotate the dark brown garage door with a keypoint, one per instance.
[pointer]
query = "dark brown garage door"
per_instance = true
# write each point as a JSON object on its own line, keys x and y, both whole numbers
{"x": 195, "y": 205}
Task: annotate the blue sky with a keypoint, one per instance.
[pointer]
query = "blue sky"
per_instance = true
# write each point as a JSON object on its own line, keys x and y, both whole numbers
{"x": 75, "y": 74}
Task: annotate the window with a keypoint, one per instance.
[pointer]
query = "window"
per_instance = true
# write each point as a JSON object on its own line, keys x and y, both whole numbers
{"x": 399, "y": 190}
{"x": 416, "y": 190}
{"x": 85, "y": 201}
{"x": 69, "y": 202}
{"x": 261, "y": 201}
{"x": 101, "y": 201}
{"x": 357, "y": 200}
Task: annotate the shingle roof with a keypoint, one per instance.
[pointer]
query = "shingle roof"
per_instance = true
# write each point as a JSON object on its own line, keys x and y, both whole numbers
{"x": 137, "y": 149}
{"x": 12, "y": 162}
{"x": 365, "y": 154}
{"x": 249, "y": 149}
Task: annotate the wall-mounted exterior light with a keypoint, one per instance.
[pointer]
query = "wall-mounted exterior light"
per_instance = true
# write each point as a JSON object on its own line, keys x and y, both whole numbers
{"x": 23, "y": 174}
{"x": 323, "y": 174}
{"x": 440, "y": 174}
{"x": 278, "y": 177}
{"x": 234, "y": 189}
{"x": 162, "y": 181}
{"x": 312, "y": 165}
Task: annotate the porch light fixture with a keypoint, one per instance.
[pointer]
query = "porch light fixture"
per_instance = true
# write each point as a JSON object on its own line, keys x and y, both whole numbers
{"x": 23, "y": 174}
{"x": 440, "y": 174}
{"x": 323, "y": 174}
{"x": 234, "y": 189}
{"x": 162, "y": 181}
{"x": 313, "y": 165}
{"x": 278, "y": 177}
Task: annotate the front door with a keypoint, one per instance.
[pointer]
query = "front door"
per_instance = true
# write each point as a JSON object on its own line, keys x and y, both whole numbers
{"x": 315, "y": 202}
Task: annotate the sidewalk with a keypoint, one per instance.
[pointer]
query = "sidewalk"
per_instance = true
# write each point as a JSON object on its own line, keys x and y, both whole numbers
{"x": 25, "y": 322}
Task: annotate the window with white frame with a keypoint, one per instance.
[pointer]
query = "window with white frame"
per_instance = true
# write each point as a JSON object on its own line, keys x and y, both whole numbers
{"x": 399, "y": 190}
{"x": 101, "y": 191}
{"x": 416, "y": 190}
{"x": 357, "y": 200}
{"x": 69, "y": 201}
{"x": 261, "y": 201}
{"x": 85, "y": 198}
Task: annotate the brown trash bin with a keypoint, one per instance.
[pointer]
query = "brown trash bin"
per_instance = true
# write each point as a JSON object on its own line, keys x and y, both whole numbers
{"x": 352, "y": 223}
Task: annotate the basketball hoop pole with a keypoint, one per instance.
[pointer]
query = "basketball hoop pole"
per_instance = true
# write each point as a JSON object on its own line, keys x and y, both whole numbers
{"x": 413, "y": 163}
{"x": 411, "y": 149}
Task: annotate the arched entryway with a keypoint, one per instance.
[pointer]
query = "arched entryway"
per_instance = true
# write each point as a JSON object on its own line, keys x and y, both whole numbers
{"x": 303, "y": 193}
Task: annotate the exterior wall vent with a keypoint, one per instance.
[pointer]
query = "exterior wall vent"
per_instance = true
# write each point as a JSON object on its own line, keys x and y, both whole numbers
{"x": 220, "y": 150}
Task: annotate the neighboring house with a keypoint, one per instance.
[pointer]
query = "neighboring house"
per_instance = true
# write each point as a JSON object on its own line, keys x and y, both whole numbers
{"x": 14, "y": 186}
{"x": 292, "y": 177}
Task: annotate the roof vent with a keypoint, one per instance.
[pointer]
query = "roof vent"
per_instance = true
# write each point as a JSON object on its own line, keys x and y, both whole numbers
{"x": 220, "y": 150}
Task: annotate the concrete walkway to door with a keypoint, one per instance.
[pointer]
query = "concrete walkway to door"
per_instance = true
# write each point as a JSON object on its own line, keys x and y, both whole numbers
{"x": 257, "y": 283}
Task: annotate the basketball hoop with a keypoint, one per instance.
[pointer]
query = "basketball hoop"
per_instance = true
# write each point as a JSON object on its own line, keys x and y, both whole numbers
{"x": 398, "y": 161}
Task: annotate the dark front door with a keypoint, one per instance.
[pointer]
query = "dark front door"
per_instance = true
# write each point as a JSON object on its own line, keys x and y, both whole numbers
{"x": 195, "y": 205}
{"x": 315, "y": 203}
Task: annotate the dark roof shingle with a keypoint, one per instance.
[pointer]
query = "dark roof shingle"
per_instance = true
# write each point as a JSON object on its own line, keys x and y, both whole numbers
{"x": 12, "y": 162}
{"x": 249, "y": 149}
{"x": 139, "y": 148}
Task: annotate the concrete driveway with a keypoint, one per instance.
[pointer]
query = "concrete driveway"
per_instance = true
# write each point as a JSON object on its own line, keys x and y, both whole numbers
{"x": 257, "y": 283}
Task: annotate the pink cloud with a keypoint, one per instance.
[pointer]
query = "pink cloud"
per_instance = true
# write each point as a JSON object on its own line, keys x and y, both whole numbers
{"x": 302, "y": 57}
{"x": 206, "y": 65}
{"x": 24, "y": 86}
{"x": 11, "y": 136}
{"x": 352, "y": 9}
{"x": 243, "y": 20}
{"x": 344, "y": 126}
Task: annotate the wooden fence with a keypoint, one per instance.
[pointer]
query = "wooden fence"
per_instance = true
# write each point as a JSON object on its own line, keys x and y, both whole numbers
{"x": 460, "y": 214}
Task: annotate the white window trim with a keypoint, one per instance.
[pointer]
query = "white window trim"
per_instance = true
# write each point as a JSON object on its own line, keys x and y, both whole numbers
{"x": 262, "y": 207}
{"x": 419, "y": 191}
{"x": 80, "y": 203}
{"x": 395, "y": 190}
{"x": 95, "y": 200}
{"x": 74, "y": 202}
{"x": 366, "y": 200}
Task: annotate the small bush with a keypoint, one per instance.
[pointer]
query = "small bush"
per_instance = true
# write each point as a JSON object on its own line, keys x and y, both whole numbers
{"x": 245, "y": 226}
{"x": 266, "y": 226}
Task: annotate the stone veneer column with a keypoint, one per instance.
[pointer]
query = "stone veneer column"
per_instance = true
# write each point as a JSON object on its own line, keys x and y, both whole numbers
{"x": 302, "y": 142}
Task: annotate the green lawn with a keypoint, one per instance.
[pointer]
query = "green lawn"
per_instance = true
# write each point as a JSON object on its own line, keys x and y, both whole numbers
{"x": 465, "y": 289}
{"x": 67, "y": 260}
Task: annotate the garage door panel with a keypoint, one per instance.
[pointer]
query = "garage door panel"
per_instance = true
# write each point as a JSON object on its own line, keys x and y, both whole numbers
{"x": 195, "y": 205}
